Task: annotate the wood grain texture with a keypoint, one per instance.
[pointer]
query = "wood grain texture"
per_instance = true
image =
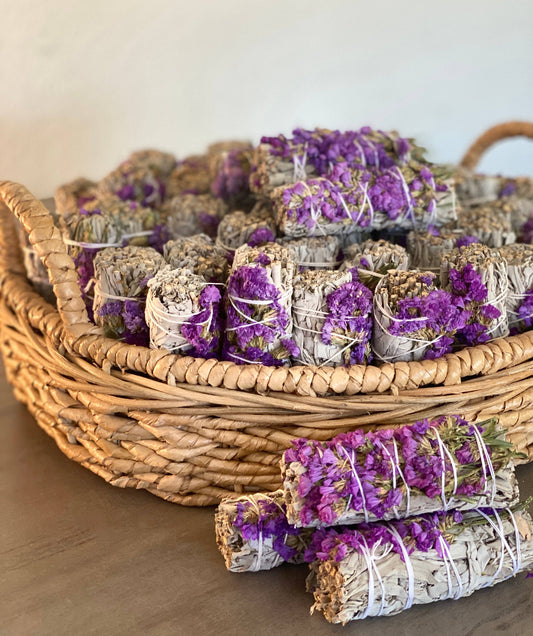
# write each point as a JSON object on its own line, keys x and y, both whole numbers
{"x": 81, "y": 557}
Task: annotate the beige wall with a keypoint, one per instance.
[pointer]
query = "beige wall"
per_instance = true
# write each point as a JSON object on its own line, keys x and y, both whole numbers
{"x": 84, "y": 82}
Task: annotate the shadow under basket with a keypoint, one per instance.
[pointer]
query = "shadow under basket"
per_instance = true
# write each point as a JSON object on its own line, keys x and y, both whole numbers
{"x": 192, "y": 431}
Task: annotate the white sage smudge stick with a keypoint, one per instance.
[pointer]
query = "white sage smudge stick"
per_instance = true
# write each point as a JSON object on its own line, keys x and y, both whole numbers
{"x": 353, "y": 235}
{"x": 521, "y": 187}
{"x": 321, "y": 207}
{"x": 388, "y": 344}
{"x": 473, "y": 188}
{"x": 135, "y": 180}
{"x": 477, "y": 276}
{"x": 190, "y": 176}
{"x": 375, "y": 256}
{"x": 182, "y": 313}
{"x": 71, "y": 196}
{"x": 320, "y": 252}
{"x": 259, "y": 306}
{"x": 162, "y": 163}
{"x": 518, "y": 210}
{"x": 238, "y": 228}
{"x": 253, "y": 534}
{"x": 519, "y": 260}
{"x": 121, "y": 277}
{"x": 491, "y": 225}
{"x": 198, "y": 254}
{"x": 444, "y": 464}
{"x": 382, "y": 569}
{"x": 332, "y": 322}
{"x": 426, "y": 249}
{"x": 189, "y": 214}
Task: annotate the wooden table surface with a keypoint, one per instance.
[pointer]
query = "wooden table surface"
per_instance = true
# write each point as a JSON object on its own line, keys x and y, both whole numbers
{"x": 78, "y": 557}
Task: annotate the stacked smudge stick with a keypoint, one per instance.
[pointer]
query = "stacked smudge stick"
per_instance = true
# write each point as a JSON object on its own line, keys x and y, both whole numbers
{"x": 322, "y": 248}
{"x": 387, "y": 519}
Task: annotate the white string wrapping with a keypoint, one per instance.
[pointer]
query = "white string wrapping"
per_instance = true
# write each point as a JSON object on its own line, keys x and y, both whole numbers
{"x": 408, "y": 566}
{"x": 154, "y": 315}
{"x": 322, "y": 314}
{"x": 90, "y": 246}
{"x": 299, "y": 173}
{"x": 486, "y": 462}
{"x": 444, "y": 450}
{"x": 505, "y": 547}
{"x": 372, "y": 568}
{"x": 449, "y": 562}
{"x": 351, "y": 461}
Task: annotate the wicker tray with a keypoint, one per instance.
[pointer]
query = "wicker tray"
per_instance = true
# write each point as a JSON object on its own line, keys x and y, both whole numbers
{"x": 191, "y": 430}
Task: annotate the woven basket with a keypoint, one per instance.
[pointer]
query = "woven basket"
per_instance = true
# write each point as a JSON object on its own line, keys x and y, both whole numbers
{"x": 192, "y": 430}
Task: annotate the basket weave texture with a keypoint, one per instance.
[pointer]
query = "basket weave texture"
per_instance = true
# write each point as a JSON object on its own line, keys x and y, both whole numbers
{"x": 192, "y": 430}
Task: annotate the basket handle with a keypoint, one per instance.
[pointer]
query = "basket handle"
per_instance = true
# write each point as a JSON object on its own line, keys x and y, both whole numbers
{"x": 47, "y": 241}
{"x": 497, "y": 133}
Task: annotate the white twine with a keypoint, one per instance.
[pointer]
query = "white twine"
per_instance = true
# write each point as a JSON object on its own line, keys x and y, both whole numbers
{"x": 154, "y": 313}
{"x": 376, "y": 153}
{"x": 223, "y": 246}
{"x": 131, "y": 235}
{"x": 351, "y": 461}
{"x": 505, "y": 547}
{"x": 363, "y": 549}
{"x": 424, "y": 343}
{"x": 93, "y": 246}
{"x": 486, "y": 462}
{"x": 442, "y": 450}
{"x": 410, "y": 211}
{"x": 103, "y": 294}
{"x": 299, "y": 173}
{"x": 251, "y": 321}
{"x": 256, "y": 563}
{"x": 315, "y": 214}
{"x": 513, "y": 296}
{"x": 400, "y": 471}
{"x": 325, "y": 264}
{"x": 408, "y": 567}
{"x": 394, "y": 471}
{"x": 351, "y": 341}
{"x": 372, "y": 568}
{"x": 361, "y": 152}
{"x": 449, "y": 562}
{"x": 517, "y": 541}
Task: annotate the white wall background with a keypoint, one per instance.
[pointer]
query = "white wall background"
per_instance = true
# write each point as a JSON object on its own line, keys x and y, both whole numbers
{"x": 84, "y": 82}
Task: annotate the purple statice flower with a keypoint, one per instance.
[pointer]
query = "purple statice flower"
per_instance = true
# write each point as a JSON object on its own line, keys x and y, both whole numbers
{"x": 468, "y": 239}
{"x": 203, "y": 329}
{"x": 439, "y": 319}
{"x": 321, "y": 201}
{"x": 524, "y": 317}
{"x": 233, "y": 178}
{"x": 260, "y": 235}
{"x": 136, "y": 331}
{"x": 84, "y": 263}
{"x": 469, "y": 293}
{"x": 129, "y": 322}
{"x": 252, "y": 327}
{"x": 508, "y": 190}
{"x": 209, "y": 223}
{"x": 322, "y": 149}
{"x": 266, "y": 520}
{"x": 350, "y": 316}
{"x": 526, "y": 232}
{"x": 467, "y": 284}
{"x": 159, "y": 236}
{"x": 354, "y": 471}
{"x": 422, "y": 533}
